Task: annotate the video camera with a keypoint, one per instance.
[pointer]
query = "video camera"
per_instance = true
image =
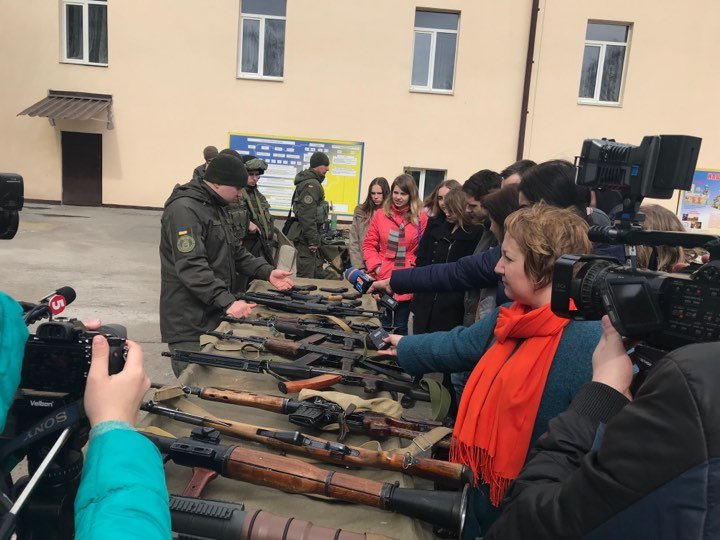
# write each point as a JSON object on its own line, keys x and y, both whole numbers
{"x": 664, "y": 310}
{"x": 11, "y": 202}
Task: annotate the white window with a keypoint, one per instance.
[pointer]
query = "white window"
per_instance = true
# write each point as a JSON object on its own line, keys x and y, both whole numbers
{"x": 606, "y": 47}
{"x": 434, "y": 51}
{"x": 85, "y": 32}
{"x": 261, "y": 46}
{"x": 426, "y": 179}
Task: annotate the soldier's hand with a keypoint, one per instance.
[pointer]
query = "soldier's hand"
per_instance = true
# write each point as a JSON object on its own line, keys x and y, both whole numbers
{"x": 240, "y": 309}
{"x": 313, "y": 249}
{"x": 252, "y": 228}
{"x": 280, "y": 279}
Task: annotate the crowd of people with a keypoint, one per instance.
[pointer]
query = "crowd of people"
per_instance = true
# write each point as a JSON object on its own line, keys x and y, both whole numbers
{"x": 543, "y": 414}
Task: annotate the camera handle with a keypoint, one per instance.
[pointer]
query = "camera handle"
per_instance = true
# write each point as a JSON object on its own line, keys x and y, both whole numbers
{"x": 8, "y": 522}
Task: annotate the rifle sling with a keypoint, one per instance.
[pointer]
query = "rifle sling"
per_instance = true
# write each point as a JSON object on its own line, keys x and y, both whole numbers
{"x": 425, "y": 441}
{"x": 439, "y": 398}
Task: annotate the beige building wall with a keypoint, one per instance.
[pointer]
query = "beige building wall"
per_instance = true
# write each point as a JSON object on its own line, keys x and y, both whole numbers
{"x": 172, "y": 73}
{"x": 670, "y": 84}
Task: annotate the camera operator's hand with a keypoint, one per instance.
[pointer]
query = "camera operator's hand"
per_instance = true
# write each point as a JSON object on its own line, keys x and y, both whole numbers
{"x": 611, "y": 364}
{"x": 115, "y": 397}
{"x": 240, "y": 309}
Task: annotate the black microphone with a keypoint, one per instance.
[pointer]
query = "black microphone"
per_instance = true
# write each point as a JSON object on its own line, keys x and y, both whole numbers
{"x": 52, "y": 304}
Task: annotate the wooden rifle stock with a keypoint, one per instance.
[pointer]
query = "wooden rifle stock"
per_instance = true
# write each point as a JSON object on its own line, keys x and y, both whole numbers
{"x": 341, "y": 454}
{"x": 295, "y": 476}
{"x": 314, "y": 383}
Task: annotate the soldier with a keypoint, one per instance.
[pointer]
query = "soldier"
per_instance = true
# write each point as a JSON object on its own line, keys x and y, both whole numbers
{"x": 260, "y": 239}
{"x": 311, "y": 212}
{"x": 199, "y": 256}
{"x": 209, "y": 153}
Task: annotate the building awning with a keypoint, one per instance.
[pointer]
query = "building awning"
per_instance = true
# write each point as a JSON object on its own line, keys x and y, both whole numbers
{"x": 72, "y": 106}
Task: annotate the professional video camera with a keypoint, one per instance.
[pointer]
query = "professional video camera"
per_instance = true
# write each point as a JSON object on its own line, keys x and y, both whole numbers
{"x": 663, "y": 310}
{"x": 11, "y": 202}
{"x": 47, "y": 422}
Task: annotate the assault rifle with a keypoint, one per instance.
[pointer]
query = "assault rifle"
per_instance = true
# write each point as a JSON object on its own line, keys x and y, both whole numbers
{"x": 344, "y": 299}
{"x": 281, "y": 303}
{"x": 320, "y": 449}
{"x": 223, "y": 520}
{"x": 350, "y": 340}
{"x": 443, "y": 508}
{"x": 318, "y": 413}
{"x": 309, "y": 376}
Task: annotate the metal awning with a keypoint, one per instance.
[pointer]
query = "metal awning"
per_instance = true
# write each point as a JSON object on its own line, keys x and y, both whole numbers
{"x": 72, "y": 106}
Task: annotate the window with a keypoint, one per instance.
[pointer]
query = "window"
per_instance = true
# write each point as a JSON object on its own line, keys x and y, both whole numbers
{"x": 85, "y": 35}
{"x": 433, "y": 68}
{"x": 262, "y": 39}
{"x": 426, "y": 179}
{"x": 603, "y": 62}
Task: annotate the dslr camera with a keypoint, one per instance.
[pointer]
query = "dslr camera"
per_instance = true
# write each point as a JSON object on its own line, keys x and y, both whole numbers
{"x": 665, "y": 311}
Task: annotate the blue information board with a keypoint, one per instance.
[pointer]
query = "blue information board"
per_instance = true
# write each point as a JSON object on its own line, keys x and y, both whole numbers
{"x": 287, "y": 156}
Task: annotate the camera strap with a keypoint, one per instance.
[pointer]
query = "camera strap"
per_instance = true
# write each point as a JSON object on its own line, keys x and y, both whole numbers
{"x": 65, "y": 417}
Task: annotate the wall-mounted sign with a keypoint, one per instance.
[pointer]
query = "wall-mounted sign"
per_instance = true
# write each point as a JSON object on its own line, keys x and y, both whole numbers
{"x": 699, "y": 207}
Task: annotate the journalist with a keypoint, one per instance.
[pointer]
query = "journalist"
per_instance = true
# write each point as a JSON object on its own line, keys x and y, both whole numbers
{"x": 640, "y": 467}
{"x": 122, "y": 492}
{"x": 527, "y": 363}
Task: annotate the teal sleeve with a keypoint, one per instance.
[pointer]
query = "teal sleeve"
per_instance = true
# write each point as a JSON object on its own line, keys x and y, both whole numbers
{"x": 446, "y": 352}
{"x": 122, "y": 492}
{"x": 13, "y": 335}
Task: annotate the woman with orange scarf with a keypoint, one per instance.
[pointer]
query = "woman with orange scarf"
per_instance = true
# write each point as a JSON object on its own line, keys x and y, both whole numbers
{"x": 527, "y": 363}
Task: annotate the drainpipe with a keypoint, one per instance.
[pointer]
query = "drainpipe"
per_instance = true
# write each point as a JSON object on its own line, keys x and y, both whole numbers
{"x": 528, "y": 76}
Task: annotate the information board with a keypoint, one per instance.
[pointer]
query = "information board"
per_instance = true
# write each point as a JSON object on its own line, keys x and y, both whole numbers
{"x": 699, "y": 207}
{"x": 287, "y": 156}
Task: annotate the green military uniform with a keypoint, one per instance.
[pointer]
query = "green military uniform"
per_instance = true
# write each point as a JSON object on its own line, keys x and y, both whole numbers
{"x": 199, "y": 261}
{"x": 311, "y": 211}
{"x": 258, "y": 209}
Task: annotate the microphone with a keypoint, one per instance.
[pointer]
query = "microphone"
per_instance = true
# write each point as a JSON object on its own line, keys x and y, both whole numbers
{"x": 52, "y": 304}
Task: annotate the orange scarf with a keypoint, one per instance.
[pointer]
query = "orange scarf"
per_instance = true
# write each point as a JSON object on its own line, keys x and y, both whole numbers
{"x": 501, "y": 399}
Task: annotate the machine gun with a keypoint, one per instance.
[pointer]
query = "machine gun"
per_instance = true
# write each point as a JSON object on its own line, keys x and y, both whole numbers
{"x": 304, "y": 376}
{"x": 318, "y": 413}
{"x": 443, "y": 508}
{"x": 281, "y": 303}
{"x": 320, "y": 449}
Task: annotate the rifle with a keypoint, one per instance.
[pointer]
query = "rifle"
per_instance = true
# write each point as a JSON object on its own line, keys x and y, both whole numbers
{"x": 281, "y": 303}
{"x": 331, "y": 299}
{"x": 317, "y": 413}
{"x": 223, "y": 520}
{"x": 331, "y": 452}
{"x": 444, "y": 508}
{"x": 308, "y": 376}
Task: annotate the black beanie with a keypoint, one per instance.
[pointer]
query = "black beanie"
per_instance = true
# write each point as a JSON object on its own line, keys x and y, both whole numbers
{"x": 227, "y": 170}
{"x": 317, "y": 159}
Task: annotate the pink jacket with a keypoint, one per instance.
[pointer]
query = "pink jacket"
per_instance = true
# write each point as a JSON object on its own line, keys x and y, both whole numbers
{"x": 379, "y": 259}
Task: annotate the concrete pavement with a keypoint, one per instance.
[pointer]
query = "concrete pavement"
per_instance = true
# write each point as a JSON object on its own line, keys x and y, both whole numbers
{"x": 108, "y": 255}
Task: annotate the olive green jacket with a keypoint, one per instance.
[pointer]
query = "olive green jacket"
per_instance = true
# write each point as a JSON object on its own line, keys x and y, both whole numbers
{"x": 199, "y": 258}
{"x": 310, "y": 207}
{"x": 259, "y": 211}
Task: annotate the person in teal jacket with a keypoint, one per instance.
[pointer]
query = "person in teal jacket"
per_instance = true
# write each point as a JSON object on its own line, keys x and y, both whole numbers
{"x": 526, "y": 362}
{"x": 122, "y": 492}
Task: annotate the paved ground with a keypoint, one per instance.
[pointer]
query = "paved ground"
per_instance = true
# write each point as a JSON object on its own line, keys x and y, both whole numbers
{"x": 108, "y": 255}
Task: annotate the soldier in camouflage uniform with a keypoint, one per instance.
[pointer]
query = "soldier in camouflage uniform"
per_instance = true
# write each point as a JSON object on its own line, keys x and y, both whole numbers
{"x": 209, "y": 153}
{"x": 200, "y": 257}
{"x": 311, "y": 212}
{"x": 260, "y": 239}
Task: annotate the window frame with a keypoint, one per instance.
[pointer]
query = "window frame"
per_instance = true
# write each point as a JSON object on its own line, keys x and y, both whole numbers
{"x": 261, "y": 47}
{"x": 428, "y": 89}
{"x": 595, "y": 100}
{"x": 421, "y": 180}
{"x": 85, "y": 4}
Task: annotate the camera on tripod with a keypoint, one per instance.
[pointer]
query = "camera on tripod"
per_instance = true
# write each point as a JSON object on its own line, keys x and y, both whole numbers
{"x": 664, "y": 310}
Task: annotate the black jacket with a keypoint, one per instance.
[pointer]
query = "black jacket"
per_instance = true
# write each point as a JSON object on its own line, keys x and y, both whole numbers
{"x": 653, "y": 474}
{"x": 433, "y": 311}
{"x": 199, "y": 259}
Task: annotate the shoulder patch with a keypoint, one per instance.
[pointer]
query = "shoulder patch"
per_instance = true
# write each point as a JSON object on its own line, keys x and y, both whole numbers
{"x": 307, "y": 199}
{"x": 185, "y": 243}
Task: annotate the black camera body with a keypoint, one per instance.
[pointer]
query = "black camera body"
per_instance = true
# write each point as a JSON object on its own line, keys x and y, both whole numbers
{"x": 57, "y": 358}
{"x": 11, "y": 202}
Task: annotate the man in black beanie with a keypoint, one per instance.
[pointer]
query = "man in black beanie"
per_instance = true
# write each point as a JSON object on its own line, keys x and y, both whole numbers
{"x": 200, "y": 259}
{"x": 311, "y": 212}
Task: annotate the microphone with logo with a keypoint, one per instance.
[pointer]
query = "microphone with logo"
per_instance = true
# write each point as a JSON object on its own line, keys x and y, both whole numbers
{"x": 52, "y": 304}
